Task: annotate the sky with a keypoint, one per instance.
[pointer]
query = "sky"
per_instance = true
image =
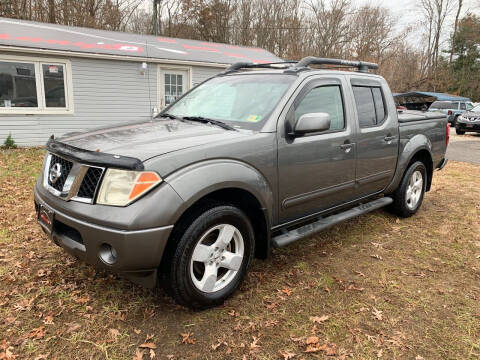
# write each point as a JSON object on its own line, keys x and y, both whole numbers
{"x": 408, "y": 13}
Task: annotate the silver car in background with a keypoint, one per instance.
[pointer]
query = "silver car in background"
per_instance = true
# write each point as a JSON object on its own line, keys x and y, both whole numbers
{"x": 453, "y": 109}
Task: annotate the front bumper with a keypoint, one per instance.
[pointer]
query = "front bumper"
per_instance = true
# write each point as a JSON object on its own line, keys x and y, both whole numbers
{"x": 138, "y": 252}
{"x": 468, "y": 126}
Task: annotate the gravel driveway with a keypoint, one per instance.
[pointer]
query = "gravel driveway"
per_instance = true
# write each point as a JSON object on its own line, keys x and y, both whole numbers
{"x": 464, "y": 148}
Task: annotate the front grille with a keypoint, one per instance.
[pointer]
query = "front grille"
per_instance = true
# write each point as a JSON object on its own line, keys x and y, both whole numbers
{"x": 61, "y": 177}
{"x": 60, "y": 168}
{"x": 90, "y": 183}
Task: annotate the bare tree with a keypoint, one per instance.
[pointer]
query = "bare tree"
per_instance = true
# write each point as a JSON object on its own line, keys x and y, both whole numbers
{"x": 459, "y": 9}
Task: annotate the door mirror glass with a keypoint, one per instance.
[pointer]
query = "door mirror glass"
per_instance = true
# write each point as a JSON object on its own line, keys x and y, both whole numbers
{"x": 312, "y": 122}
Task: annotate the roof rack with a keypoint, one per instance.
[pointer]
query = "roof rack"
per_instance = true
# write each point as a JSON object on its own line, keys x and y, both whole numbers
{"x": 362, "y": 66}
{"x": 303, "y": 64}
{"x": 250, "y": 65}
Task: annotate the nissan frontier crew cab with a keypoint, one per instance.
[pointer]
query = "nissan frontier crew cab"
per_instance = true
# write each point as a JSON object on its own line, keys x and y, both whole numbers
{"x": 260, "y": 155}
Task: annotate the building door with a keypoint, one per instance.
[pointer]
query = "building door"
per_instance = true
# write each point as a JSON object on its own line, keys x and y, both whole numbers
{"x": 173, "y": 83}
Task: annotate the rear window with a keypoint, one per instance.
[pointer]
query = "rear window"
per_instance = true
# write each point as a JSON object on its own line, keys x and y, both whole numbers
{"x": 370, "y": 105}
{"x": 442, "y": 105}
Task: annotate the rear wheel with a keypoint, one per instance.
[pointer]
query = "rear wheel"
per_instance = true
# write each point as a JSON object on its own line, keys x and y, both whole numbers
{"x": 409, "y": 195}
{"x": 211, "y": 258}
{"x": 460, "y": 132}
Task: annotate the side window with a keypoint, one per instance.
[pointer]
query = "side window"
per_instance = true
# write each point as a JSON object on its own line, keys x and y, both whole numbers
{"x": 462, "y": 106}
{"x": 379, "y": 105}
{"x": 469, "y": 106}
{"x": 326, "y": 99}
{"x": 370, "y": 105}
{"x": 455, "y": 105}
{"x": 365, "y": 106}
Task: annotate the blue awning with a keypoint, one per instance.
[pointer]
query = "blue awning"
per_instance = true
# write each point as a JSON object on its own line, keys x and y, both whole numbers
{"x": 438, "y": 96}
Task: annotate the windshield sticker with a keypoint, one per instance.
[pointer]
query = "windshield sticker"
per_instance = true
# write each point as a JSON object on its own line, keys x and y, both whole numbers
{"x": 254, "y": 118}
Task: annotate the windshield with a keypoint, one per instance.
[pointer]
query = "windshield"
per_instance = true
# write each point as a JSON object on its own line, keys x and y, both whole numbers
{"x": 243, "y": 101}
{"x": 476, "y": 108}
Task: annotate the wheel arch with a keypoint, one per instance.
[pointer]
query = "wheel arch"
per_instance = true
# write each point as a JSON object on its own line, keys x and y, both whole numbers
{"x": 418, "y": 148}
{"x": 225, "y": 182}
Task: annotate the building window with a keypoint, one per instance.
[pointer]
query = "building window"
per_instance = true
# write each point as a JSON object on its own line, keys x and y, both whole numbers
{"x": 34, "y": 86}
{"x": 174, "y": 82}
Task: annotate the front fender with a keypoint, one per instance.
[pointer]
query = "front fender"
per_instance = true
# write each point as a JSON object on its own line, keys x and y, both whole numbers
{"x": 200, "y": 179}
{"x": 408, "y": 149}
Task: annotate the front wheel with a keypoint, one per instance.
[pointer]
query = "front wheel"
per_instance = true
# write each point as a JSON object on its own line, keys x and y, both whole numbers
{"x": 460, "y": 132}
{"x": 409, "y": 195}
{"x": 212, "y": 257}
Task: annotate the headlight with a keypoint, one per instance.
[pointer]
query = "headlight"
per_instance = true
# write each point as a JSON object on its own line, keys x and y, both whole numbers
{"x": 121, "y": 187}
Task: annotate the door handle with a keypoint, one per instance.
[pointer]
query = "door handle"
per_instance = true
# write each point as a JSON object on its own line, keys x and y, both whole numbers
{"x": 346, "y": 147}
{"x": 389, "y": 139}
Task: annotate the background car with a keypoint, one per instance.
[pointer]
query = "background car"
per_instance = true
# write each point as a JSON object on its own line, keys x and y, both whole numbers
{"x": 469, "y": 121}
{"x": 453, "y": 109}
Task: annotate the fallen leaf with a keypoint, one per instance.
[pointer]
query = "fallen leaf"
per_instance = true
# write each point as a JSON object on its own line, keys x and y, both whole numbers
{"x": 72, "y": 327}
{"x": 286, "y": 291}
{"x": 138, "y": 355}
{"x": 148, "y": 345}
{"x": 254, "y": 344}
{"x": 312, "y": 340}
{"x": 287, "y": 354}
{"x": 316, "y": 348}
{"x": 187, "y": 338}
{"x": 377, "y": 314}
{"x": 233, "y": 313}
{"x": 152, "y": 354}
{"x": 375, "y": 256}
{"x": 319, "y": 319}
{"x": 37, "y": 333}
{"x": 114, "y": 333}
{"x": 137, "y": 331}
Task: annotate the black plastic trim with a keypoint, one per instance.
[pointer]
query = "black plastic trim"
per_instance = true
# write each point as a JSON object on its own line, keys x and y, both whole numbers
{"x": 88, "y": 157}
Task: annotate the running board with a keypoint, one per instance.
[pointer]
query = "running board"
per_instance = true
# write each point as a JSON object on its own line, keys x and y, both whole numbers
{"x": 299, "y": 233}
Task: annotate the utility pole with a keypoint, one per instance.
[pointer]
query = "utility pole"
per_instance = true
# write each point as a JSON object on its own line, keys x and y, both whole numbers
{"x": 155, "y": 16}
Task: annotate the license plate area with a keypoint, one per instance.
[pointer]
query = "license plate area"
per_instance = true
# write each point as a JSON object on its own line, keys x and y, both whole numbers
{"x": 45, "y": 218}
{"x": 469, "y": 125}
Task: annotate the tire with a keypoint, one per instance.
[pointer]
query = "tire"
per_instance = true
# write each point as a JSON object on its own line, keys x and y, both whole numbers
{"x": 459, "y": 132}
{"x": 405, "y": 205}
{"x": 203, "y": 271}
{"x": 454, "y": 121}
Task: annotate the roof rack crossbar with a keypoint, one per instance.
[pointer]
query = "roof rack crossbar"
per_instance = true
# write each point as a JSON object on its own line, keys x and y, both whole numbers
{"x": 362, "y": 66}
{"x": 250, "y": 65}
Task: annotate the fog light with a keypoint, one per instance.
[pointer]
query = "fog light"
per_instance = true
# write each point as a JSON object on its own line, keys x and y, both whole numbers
{"x": 108, "y": 254}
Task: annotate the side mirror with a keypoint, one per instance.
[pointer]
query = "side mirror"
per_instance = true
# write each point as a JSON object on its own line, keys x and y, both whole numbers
{"x": 312, "y": 122}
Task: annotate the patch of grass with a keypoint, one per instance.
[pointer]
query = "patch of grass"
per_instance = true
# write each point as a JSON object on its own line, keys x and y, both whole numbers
{"x": 391, "y": 287}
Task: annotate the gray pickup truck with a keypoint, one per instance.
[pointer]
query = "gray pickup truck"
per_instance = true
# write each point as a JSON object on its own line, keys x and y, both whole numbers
{"x": 255, "y": 157}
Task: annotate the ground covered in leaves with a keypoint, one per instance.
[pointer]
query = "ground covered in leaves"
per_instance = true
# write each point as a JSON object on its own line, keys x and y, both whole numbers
{"x": 373, "y": 287}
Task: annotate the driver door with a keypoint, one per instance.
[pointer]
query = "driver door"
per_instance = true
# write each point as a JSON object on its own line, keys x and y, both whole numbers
{"x": 316, "y": 171}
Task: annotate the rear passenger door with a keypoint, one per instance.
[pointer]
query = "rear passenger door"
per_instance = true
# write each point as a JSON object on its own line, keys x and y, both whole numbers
{"x": 377, "y": 136}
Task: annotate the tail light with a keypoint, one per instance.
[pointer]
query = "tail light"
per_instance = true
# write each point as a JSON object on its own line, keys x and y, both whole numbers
{"x": 447, "y": 134}
{"x": 449, "y": 112}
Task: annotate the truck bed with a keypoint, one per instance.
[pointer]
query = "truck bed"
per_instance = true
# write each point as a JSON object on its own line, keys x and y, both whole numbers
{"x": 411, "y": 115}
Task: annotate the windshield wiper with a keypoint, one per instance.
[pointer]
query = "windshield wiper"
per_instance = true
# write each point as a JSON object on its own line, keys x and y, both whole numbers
{"x": 210, "y": 121}
{"x": 170, "y": 116}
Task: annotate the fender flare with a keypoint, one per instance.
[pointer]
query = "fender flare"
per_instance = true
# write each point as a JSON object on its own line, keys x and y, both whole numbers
{"x": 218, "y": 174}
{"x": 410, "y": 149}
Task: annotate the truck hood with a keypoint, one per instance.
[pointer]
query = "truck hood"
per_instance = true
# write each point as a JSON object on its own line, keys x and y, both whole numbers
{"x": 471, "y": 115}
{"x": 149, "y": 139}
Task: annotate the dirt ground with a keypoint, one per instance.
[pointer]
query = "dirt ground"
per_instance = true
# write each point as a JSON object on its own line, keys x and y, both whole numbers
{"x": 373, "y": 287}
